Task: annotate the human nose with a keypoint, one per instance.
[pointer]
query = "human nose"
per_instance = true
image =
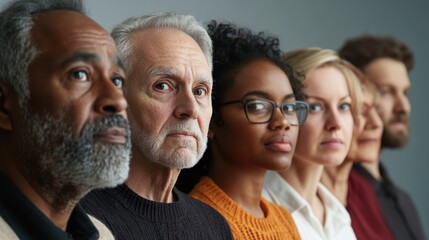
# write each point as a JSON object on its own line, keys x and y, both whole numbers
{"x": 402, "y": 104}
{"x": 110, "y": 99}
{"x": 373, "y": 119}
{"x": 187, "y": 106}
{"x": 333, "y": 121}
{"x": 279, "y": 120}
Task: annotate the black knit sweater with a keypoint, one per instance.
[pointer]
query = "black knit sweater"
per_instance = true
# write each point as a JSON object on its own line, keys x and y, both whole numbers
{"x": 130, "y": 216}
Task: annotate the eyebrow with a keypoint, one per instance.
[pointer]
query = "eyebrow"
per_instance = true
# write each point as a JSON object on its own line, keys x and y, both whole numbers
{"x": 90, "y": 57}
{"x": 80, "y": 56}
{"x": 320, "y": 98}
{"x": 265, "y": 95}
{"x": 160, "y": 71}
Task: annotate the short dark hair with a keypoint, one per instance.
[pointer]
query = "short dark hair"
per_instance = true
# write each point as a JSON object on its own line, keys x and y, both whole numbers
{"x": 17, "y": 47}
{"x": 234, "y": 47}
{"x": 362, "y": 50}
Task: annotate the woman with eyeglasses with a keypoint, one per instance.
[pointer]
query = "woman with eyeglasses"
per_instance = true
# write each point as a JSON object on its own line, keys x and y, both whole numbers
{"x": 254, "y": 128}
{"x": 332, "y": 92}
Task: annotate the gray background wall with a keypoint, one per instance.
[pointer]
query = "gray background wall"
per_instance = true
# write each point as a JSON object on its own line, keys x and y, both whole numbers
{"x": 325, "y": 24}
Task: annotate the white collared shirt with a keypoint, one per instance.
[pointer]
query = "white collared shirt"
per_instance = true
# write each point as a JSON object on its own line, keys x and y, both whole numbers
{"x": 337, "y": 219}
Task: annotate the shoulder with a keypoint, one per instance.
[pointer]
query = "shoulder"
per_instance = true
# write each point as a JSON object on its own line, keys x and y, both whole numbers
{"x": 208, "y": 219}
{"x": 6, "y": 231}
{"x": 198, "y": 208}
{"x": 104, "y": 232}
{"x": 194, "y": 203}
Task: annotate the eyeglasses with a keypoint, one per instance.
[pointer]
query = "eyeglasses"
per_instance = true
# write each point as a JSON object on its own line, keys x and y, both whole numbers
{"x": 262, "y": 111}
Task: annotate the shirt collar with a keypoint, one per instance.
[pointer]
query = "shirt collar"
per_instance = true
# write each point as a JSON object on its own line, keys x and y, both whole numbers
{"x": 29, "y": 222}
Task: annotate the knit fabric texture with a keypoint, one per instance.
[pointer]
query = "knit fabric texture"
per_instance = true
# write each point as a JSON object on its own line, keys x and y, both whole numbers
{"x": 277, "y": 223}
{"x": 129, "y": 216}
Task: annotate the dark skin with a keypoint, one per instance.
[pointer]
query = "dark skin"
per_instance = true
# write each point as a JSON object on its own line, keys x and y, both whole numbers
{"x": 245, "y": 150}
{"x": 76, "y": 73}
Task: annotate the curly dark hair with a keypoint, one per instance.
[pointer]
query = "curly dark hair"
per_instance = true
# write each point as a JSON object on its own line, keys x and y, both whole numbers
{"x": 235, "y": 47}
{"x": 362, "y": 50}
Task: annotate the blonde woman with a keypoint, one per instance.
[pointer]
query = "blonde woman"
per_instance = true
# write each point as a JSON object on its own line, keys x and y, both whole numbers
{"x": 332, "y": 91}
{"x": 367, "y": 218}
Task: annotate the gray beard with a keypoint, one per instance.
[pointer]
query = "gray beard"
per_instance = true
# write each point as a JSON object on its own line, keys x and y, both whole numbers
{"x": 62, "y": 167}
{"x": 150, "y": 145}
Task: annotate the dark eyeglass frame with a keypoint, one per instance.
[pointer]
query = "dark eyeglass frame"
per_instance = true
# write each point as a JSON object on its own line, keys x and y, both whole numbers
{"x": 299, "y": 105}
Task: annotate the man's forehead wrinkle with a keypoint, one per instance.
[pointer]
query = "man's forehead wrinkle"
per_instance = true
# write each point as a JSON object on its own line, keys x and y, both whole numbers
{"x": 76, "y": 27}
{"x": 160, "y": 70}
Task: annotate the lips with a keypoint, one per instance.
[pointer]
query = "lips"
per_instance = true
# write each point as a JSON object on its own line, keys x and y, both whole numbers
{"x": 332, "y": 142}
{"x": 279, "y": 144}
{"x": 114, "y": 135}
{"x": 182, "y": 134}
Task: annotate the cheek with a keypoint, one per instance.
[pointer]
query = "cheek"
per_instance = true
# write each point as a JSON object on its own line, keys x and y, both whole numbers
{"x": 353, "y": 149}
{"x": 385, "y": 106}
{"x": 238, "y": 138}
{"x": 77, "y": 113}
{"x": 147, "y": 115}
{"x": 204, "y": 119}
{"x": 348, "y": 128}
{"x": 243, "y": 133}
{"x": 307, "y": 134}
{"x": 309, "y": 131}
{"x": 293, "y": 134}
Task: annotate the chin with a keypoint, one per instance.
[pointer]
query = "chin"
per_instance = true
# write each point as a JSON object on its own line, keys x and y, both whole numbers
{"x": 368, "y": 159}
{"x": 181, "y": 160}
{"x": 281, "y": 165}
{"x": 334, "y": 162}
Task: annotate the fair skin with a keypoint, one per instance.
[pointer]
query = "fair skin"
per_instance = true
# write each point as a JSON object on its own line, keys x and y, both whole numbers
{"x": 325, "y": 137}
{"x": 365, "y": 149}
{"x": 391, "y": 78}
{"x": 169, "y": 92}
{"x": 77, "y": 75}
{"x": 246, "y": 150}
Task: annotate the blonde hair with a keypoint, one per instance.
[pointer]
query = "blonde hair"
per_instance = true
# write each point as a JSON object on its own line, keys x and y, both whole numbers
{"x": 306, "y": 60}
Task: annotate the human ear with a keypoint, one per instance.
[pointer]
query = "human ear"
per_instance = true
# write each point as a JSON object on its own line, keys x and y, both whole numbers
{"x": 5, "y": 116}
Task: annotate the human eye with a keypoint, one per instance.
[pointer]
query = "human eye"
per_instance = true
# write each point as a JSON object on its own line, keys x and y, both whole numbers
{"x": 385, "y": 91}
{"x": 200, "y": 91}
{"x": 289, "y": 108}
{"x": 118, "y": 82}
{"x": 344, "y": 106}
{"x": 162, "y": 86}
{"x": 79, "y": 75}
{"x": 406, "y": 92}
{"x": 257, "y": 106}
{"x": 315, "y": 107}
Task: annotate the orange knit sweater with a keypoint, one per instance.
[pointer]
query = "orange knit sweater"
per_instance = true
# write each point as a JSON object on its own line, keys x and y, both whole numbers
{"x": 277, "y": 224}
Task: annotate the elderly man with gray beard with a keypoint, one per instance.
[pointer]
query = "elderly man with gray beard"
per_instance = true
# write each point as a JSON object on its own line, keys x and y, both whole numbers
{"x": 63, "y": 127}
{"x": 169, "y": 61}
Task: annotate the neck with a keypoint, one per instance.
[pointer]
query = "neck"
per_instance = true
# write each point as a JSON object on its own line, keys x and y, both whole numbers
{"x": 55, "y": 205}
{"x": 374, "y": 169}
{"x": 304, "y": 176}
{"x": 335, "y": 179}
{"x": 151, "y": 180}
{"x": 245, "y": 188}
